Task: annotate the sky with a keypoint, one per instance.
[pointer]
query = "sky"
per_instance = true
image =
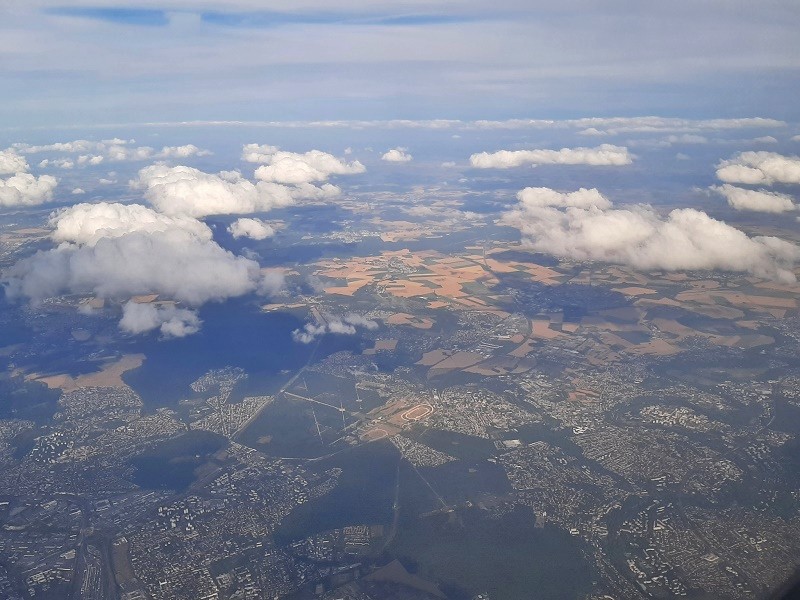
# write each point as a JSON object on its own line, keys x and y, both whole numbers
{"x": 159, "y": 137}
{"x": 125, "y": 61}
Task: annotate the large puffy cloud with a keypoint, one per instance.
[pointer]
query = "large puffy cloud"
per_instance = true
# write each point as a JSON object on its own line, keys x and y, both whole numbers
{"x": 686, "y": 239}
{"x": 171, "y": 321}
{"x": 24, "y": 189}
{"x": 290, "y": 170}
{"x": 295, "y": 168}
{"x": 755, "y": 200}
{"x": 312, "y": 166}
{"x": 188, "y": 191}
{"x": 255, "y": 229}
{"x": 88, "y": 223}
{"x": 11, "y": 162}
{"x": 397, "y": 155}
{"x": 174, "y": 263}
{"x": 541, "y": 196}
{"x": 603, "y": 155}
{"x": 117, "y": 251}
{"x": 763, "y": 168}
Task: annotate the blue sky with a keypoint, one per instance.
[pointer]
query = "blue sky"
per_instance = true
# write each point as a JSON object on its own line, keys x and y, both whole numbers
{"x": 111, "y": 61}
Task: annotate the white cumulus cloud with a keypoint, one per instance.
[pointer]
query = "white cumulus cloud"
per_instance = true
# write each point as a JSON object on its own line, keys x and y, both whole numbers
{"x": 61, "y": 163}
{"x": 533, "y": 197}
{"x": 347, "y": 325}
{"x": 603, "y": 155}
{"x": 188, "y": 191}
{"x": 184, "y": 151}
{"x": 687, "y": 239}
{"x": 310, "y": 333}
{"x": 11, "y": 162}
{"x": 398, "y": 154}
{"x": 24, "y": 189}
{"x": 755, "y": 200}
{"x": 258, "y": 153}
{"x": 86, "y": 224}
{"x": 295, "y": 168}
{"x": 170, "y": 320}
{"x": 255, "y": 229}
{"x": 176, "y": 264}
{"x": 763, "y": 168}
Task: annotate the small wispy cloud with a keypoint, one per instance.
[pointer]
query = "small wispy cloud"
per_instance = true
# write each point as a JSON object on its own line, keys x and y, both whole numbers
{"x": 122, "y": 16}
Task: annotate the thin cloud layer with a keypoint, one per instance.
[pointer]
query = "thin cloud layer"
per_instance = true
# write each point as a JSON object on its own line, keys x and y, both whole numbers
{"x": 603, "y": 155}
{"x": 585, "y": 126}
{"x": 687, "y": 239}
{"x": 754, "y": 200}
{"x": 652, "y": 124}
{"x": 73, "y": 147}
{"x": 398, "y": 154}
{"x": 760, "y": 168}
{"x": 113, "y": 150}
{"x": 255, "y": 229}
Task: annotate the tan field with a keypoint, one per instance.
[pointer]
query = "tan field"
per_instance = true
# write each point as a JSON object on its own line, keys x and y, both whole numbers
{"x": 433, "y": 357}
{"x": 464, "y": 282}
{"x": 351, "y": 288}
{"x": 438, "y": 304}
{"x": 459, "y": 360}
{"x": 656, "y": 346}
{"x": 635, "y": 291}
{"x": 406, "y": 319}
{"x": 657, "y": 302}
{"x": 145, "y": 299}
{"x": 541, "y": 329}
{"x": 523, "y": 349}
{"x": 109, "y": 376}
{"x": 738, "y": 299}
{"x": 385, "y": 344}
